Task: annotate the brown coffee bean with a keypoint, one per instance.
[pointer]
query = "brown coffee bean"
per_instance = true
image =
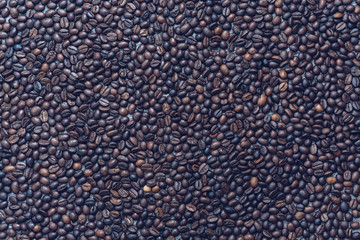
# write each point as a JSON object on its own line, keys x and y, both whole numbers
{"x": 331, "y": 180}
{"x": 254, "y": 181}
{"x": 283, "y": 86}
{"x": 262, "y": 100}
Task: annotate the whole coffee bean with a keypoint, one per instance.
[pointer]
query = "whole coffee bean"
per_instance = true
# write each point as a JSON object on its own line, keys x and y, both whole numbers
{"x": 283, "y": 86}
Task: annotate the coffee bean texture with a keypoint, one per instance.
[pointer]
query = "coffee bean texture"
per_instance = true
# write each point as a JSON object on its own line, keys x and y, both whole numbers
{"x": 172, "y": 119}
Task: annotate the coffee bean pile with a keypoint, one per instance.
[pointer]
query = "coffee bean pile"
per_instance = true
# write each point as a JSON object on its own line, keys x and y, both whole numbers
{"x": 171, "y": 119}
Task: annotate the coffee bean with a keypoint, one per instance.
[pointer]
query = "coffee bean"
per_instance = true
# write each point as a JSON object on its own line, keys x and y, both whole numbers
{"x": 340, "y": 26}
{"x": 254, "y": 182}
{"x": 172, "y": 223}
{"x": 310, "y": 188}
{"x": 64, "y": 22}
{"x": 262, "y": 100}
{"x": 299, "y": 215}
{"x": 154, "y": 232}
{"x": 111, "y": 37}
{"x": 203, "y": 168}
{"x": 283, "y": 86}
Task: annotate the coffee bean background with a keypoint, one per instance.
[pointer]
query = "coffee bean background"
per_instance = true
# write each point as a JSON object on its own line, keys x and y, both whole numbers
{"x": 171, "y": 119}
